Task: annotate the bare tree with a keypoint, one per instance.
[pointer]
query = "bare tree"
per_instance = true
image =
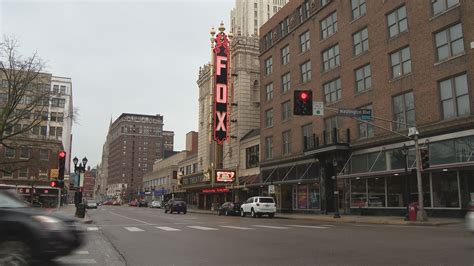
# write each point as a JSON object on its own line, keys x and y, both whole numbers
{"x": 24, "y": 92}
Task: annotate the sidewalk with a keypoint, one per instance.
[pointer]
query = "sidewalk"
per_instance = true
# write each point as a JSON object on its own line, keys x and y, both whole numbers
{"x": 70, "y": 211}
{"x": 387, "y": 220}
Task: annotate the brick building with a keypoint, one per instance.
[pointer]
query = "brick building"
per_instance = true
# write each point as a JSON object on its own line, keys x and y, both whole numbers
{"x": 411, "y": 62}
{"x": 135, "y": 142}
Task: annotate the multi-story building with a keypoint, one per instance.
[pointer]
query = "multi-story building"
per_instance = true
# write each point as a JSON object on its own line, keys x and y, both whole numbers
{"x": 248, "y": 15}
{"x": 410, "y": 62}
{"x": 89, "y": 183}
{"x": 135, "y": 141}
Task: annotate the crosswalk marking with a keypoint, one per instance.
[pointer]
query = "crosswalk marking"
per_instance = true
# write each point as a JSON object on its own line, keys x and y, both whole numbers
{"x": 271, "y": 227}
{"x": 330, "y": 225}
{"x": 67, "y": 261}
{"x": 203, "y": 228}
{"x": 133, "y": 229}
{"x": 309, "y": 226}
{"x": 92, "y": 228}
{"x": 166, "y": 228}
{"x": 81, "y": 252}
{"x": 237, "y": 227}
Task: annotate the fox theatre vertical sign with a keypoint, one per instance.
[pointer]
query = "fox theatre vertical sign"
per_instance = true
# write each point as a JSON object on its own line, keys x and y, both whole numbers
{"x": 221, "y": 78}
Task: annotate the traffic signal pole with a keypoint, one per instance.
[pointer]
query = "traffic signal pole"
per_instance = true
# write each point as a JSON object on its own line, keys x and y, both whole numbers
{"x": 421, "y": 214}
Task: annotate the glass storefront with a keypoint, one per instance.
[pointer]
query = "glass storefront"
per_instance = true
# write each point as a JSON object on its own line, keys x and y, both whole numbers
{"x": 306, "y": 197}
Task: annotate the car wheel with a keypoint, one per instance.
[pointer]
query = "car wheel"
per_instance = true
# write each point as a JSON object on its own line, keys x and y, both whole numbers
{"x": 14, "y": 253}
{"x": 226, "y": 213}
{"x": 242, "y": 213}
{"x": 271, "y": 215}
{"x": 184, "y": 212}
{"x": 253, "y": 214}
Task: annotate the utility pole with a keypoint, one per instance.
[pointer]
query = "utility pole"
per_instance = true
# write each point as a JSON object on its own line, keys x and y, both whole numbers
{"x": 421, "y": 214}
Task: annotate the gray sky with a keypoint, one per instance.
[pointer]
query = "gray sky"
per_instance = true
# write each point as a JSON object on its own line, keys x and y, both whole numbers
{"x": 122, "y": 56}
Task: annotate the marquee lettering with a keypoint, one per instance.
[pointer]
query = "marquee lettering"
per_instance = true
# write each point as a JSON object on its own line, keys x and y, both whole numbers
{"x": 221, "y": 70}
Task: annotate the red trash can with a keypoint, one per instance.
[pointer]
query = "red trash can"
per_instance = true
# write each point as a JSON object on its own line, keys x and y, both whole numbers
{"x": 412, "y": 210}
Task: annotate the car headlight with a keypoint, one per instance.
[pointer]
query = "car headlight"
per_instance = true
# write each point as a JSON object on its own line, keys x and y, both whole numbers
{"x": 49, "y": 222}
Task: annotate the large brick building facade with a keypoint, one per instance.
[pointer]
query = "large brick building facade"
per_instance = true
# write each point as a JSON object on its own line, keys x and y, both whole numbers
{"x": 411, "y": 62}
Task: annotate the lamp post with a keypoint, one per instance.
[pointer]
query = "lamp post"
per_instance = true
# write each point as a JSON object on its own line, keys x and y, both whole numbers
{"x": 406, "y": 194}
{"x": 336, "y": 192}
{"x": 78, "y": 170}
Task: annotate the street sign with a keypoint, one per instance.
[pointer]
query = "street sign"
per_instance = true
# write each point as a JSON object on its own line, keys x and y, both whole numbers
{"x": 363, "y": 114}
{"x": 271, "y": 189}
{"x": 54, "y": 173}
{"x": 318, "y": 108}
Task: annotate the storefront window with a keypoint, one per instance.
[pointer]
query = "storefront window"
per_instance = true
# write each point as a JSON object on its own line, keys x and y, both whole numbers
{"x": 376, "y": 187}
{"x": 314, "y": 197}
{"x": 445, "y": 189}
{"x": 303, "y": 197}
{"x": 395, "y": 189}
{"x": 442, "y": 152}
{"x": 376, "y": 161}
{"x": 464, "y": 149}
{"x": 425, "y": 183}
{"x": 358, "y": 193}
{"x": 359, "y": 163}
{"x": 306, "y": 196}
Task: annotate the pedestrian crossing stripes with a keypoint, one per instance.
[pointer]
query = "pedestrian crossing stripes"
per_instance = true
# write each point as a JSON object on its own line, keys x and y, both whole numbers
{"x": 309, "y": 226}
{"x": 166, "y": 228}
{"x": 92, "y": 228}
{"x": 237, "y": 227}
{"x": 133, "y": 229}
{"x": 81, "y": 252}
{"x": 203, "y": 228}
{"x": 272, "y": 227}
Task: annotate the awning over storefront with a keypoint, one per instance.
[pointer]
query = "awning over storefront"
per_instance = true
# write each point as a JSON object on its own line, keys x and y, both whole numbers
{"x": 297, "y": 172}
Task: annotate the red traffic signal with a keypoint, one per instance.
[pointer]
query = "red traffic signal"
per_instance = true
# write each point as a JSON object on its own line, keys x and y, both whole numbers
{"x": 62, "y": 154}
{"x": 303, "y": 102}
{"x": 304, "y": 96}
{"x": 53, "y": 184}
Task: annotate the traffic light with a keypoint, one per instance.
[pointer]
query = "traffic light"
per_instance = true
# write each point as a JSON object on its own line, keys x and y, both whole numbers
{"x": 53, "y": 184}
{"x": 425, "y": 158}
{"x": 61, "y": 168}
{"x": 303, "y": 102}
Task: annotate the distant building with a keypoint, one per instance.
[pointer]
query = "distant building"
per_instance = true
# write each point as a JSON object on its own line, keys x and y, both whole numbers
{"x": 135, "y": 142}
{"x": 89, "y": 183}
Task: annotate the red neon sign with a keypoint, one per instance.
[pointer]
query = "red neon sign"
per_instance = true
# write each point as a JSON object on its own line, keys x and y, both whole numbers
{"x": 215, "y": 190}
{"x": 221, "y": 70}
{"x": 225, "y": 176}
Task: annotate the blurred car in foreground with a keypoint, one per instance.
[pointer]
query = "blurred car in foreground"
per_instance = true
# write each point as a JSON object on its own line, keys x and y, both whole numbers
{"x": 155, "y": 204}
{"x": 176, "y": 205}
{"x": 29, "y": 234}
{"x": 229, "y": 208}
{"x": 470, "y": 217}
{"x": 91, "y": 204}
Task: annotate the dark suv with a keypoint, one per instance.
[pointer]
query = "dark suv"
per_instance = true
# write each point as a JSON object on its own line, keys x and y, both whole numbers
{"x": 28, "y": 234}
{"x": 176, "y": 205}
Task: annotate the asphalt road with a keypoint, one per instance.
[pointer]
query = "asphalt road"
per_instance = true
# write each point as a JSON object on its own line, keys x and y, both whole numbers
{"x": 143, "y": 236}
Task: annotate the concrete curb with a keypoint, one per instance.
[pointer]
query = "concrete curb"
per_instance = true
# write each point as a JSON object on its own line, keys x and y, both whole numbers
{"x": 354, "y": 220}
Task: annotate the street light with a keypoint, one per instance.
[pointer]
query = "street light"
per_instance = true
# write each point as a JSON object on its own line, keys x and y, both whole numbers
{"x": 406, "y": 196}
{"x": 78, "y": 169}
{"x": 336, "y": 192}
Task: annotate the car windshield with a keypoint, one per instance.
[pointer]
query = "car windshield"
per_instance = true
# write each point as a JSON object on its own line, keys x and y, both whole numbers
{"x": 9, "y": 200}
{"x": 266, "y": 200}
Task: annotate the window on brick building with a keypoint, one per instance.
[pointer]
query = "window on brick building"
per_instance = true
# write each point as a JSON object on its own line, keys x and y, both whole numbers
{"x": 23, "y": 173}
{"x": 360, "y": 41}
{"x": 305, "y": 71}
{"x": 366, "y": 130}
{"x": 285, "y": 55}
{"x": 359, "y": 8}
{"x": 269, "y": 118}
{"x": 305, "y": 44}
{"x": 455, "y": 97}
{"x": 286, "y": 141}
{"x": 449, "y": 42}
{"x": 397, "y": 22}
{"x": 439, "y": 6}
{"x": 9, "y": 152}
{"x": 268, "y": 66}
{"x": 332, "y": 91}
{"x": 307, "y": 133}
{"x": 400, "y": 62}
{"x": 331, "y": 58}
{"x": 44, "y": 154}
{"x": 269, "y": 147}
{"x": 329, "y": 125}
{"x": 363, "y": 78}
{"x": 285, "y": 82}
{"x": 269, "y": 92}
{"x": 285, "y": 110}
{"x": 403, "y": 110}
{"x": 24, "y": 153}
{"x": 252, "y": 157}
{"x": 329, "y": 25}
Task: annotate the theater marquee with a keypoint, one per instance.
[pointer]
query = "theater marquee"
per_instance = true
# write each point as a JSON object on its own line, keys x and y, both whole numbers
{"x": 225, "y": 176}
{"x": 221, "y": 67}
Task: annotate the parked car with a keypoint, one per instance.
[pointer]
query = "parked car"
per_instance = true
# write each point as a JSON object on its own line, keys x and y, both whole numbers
{"x": 229, "y": 208}
{"x": 30, "y": 234}
{"x": 143, "y": 203}
{"x": 155, "y": 204}
{"x": 176, "y": 205}
{"x": 133, "y": 203}
{"x": 257, "y": 206}
{"x": 108, "y": 202}
{"x": 91, "y": 204}
{"x": 116, "y": 203}
{"x": 470, "y": 217}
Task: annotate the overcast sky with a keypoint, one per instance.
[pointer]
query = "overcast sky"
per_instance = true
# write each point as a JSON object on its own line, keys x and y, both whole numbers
{"x": 123, "y": 57}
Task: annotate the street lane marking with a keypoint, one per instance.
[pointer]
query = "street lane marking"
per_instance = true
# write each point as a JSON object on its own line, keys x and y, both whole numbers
{"x": 166, "y": 228}
{"x": 134, "y": 229}
{"x": 271, "y": 227}
{"x": 92, "y": 228}
{"x": 330, "y": 225}
{"x": 237, "y": 227}
{"x": 309, "y": 226}
{"x": 203, "y": 228}
{"x": 130, "y": 218}
{"x": 77, "y": 261}
{"x": 81, "y": 252}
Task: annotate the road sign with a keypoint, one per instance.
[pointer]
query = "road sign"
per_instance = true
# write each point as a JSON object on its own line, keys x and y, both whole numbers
{"x": 54, "y": 173}
{"x": 318, "y": 108}
{"x": 363, "y": 114}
